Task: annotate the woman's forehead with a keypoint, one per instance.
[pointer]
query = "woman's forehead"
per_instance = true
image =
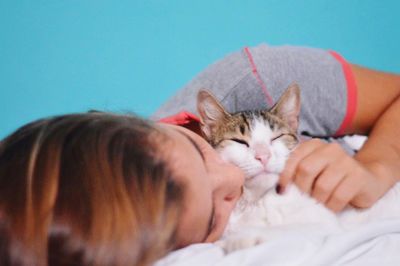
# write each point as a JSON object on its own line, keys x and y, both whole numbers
{"x": 180, "y": 153}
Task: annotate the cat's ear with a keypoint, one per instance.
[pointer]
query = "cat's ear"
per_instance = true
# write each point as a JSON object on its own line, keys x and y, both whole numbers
{"x": 212, "y": 113}
{"x": 288, "y": 106}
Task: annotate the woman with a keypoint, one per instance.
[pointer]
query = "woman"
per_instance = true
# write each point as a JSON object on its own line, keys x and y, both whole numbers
{"x": 104, "y": 189}
{"x": 77, "y": 190}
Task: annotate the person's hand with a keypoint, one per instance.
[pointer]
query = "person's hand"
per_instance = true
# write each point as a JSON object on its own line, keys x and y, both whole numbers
{"x": 330, "y": 175}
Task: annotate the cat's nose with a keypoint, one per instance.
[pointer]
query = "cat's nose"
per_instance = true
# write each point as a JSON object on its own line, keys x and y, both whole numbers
{"x": 263, "y": 158}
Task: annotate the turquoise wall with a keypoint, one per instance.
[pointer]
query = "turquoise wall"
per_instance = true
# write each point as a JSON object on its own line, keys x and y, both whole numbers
{"x": 71, "y": 56}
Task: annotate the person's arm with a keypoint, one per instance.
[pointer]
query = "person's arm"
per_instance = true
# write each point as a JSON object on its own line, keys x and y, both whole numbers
{"x": 379, "y": 116}
{"x": 337, "y": 179}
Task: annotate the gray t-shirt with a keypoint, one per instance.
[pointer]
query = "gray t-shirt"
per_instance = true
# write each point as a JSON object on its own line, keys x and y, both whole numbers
{"x": 255, "y": 78}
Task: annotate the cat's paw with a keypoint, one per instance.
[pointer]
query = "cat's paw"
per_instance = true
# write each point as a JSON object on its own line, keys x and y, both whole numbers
{"x": 236, "y": 243}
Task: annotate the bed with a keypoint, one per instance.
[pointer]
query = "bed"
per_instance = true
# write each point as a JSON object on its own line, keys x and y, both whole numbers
{"x": 372, "y": 244}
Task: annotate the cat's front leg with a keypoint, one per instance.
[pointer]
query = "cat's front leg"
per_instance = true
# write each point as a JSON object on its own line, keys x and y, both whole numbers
{"x": 241, "y": 240}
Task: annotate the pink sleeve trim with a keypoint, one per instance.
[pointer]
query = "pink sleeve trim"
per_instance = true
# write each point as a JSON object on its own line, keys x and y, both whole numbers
{"x": 257, "y": 76}
{"x": 180, "y": 119}
{"x": 351, "y": 94}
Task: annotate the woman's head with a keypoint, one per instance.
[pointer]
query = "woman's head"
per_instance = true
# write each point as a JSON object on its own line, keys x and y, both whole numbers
{"x": 87, "y": 189}
{"x": 211, "y": 185}
{"x": 99, "y": 188}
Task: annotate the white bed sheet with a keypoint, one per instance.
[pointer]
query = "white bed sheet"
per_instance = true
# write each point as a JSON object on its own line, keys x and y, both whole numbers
{"x": 372, "y": 244}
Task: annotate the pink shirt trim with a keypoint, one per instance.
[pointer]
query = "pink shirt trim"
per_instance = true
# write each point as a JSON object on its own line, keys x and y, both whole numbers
{"x": 180, "y": 119}
{"x": 257, "y": 76}
{"x": 351, "y": 94}
{"x": 184, "y": 117}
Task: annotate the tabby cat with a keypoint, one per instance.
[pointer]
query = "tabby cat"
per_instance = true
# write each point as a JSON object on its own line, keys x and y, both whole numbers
{"x": 259, "y": 142}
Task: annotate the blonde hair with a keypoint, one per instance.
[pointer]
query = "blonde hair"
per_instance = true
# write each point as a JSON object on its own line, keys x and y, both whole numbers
{"x": 86, "y": 189}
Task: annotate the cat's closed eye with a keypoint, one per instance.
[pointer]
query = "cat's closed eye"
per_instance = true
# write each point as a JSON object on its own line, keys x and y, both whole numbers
{"x": 277, "y": 137}
{"x": 286, "y": 136}
{"x": 240, "y": 141}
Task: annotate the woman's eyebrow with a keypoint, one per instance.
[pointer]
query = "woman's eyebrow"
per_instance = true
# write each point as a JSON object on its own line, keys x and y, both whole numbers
{"x": 195, "y": 145}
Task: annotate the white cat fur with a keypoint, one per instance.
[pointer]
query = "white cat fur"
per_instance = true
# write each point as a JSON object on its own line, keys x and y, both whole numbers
{"x": 261, "y": 206}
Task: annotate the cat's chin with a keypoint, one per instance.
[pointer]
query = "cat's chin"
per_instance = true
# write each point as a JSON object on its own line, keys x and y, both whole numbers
{"x": 261, "y": 183}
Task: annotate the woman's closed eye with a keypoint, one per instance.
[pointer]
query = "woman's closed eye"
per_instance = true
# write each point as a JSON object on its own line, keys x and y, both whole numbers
{"x": 240, "y": 141}
{"x": 211, "y": 223}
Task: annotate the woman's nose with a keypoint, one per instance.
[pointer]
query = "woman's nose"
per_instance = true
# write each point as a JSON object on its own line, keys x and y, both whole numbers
{"x": 233, "y": 182}
{"x": 239, "y": 174}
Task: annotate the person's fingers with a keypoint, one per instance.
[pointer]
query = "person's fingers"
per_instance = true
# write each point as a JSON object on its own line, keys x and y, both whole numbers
{"x": 326, "y": 183}
{"x": 303, "y": 150}
{"x": 308, "y": 170}
{"x": 315, "y": 164}
{"x": 345, "y": 191}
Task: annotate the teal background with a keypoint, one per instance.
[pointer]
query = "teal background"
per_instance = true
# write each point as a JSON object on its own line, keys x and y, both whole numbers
{"x": 71, "y": 56}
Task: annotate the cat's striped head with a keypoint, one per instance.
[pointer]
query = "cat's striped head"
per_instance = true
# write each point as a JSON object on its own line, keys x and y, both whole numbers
{"x": 256, "y": 141}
